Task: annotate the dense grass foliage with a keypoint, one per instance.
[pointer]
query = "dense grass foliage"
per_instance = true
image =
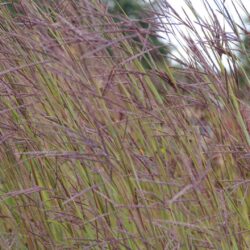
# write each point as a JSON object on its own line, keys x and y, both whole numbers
{"x": 97, "y": 152}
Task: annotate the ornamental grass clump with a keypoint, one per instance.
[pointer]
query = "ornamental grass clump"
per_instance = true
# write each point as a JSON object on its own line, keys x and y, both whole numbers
{"x": 99, "y": 151}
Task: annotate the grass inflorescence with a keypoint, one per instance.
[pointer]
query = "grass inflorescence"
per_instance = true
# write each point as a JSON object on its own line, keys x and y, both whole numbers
{"x": 98, "y": 151}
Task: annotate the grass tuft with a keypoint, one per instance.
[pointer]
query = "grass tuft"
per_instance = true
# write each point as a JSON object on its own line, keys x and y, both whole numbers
{"x": 98, "y": 151}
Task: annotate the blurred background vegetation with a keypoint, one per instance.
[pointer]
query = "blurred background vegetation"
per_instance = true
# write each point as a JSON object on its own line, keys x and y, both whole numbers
{"x": 145, "y": 18}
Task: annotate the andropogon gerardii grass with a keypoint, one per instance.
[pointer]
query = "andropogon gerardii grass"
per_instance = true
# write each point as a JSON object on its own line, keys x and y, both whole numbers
{"x": 99, "y": 152}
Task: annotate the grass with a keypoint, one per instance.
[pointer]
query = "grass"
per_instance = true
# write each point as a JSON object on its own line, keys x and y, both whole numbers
{"x": 97, "y": 152}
